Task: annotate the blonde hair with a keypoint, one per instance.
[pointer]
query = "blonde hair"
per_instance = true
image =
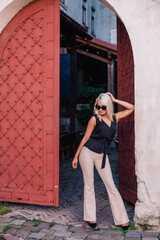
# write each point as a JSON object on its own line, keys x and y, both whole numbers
{"x": 106, "y": 101}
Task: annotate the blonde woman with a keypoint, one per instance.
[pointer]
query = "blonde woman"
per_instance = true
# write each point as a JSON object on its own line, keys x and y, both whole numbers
{"x": 94, "y": 150}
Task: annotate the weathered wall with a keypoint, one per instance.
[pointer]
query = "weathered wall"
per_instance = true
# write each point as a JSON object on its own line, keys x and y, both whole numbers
{"x": 142, "y": 21}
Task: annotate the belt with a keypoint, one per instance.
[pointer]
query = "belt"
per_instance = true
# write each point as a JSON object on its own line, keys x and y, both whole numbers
{"x": 106, "y": 150}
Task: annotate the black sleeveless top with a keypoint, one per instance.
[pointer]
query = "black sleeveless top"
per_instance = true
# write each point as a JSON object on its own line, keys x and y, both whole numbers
{"x": 101, "y": 138}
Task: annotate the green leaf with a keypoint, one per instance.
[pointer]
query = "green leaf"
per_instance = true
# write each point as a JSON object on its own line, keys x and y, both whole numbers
{"x": 88, "y": 95}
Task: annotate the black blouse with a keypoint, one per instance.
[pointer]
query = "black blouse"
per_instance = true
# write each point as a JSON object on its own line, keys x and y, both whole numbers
{"x": 101, "y": 138}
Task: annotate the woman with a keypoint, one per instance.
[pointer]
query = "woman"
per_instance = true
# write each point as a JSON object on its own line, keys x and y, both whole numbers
{"x": 94, "y": 150}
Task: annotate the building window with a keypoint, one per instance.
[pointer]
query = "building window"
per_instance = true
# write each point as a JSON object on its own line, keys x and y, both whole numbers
{"x": 63, "y": 1}
{"x": 63, "y": 4}
{"x": 92, "y": 19}
{"x": 84, "y": 12}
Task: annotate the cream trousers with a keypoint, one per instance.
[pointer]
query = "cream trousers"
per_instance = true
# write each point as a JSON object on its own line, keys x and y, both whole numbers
{"x": 87, "y": 160}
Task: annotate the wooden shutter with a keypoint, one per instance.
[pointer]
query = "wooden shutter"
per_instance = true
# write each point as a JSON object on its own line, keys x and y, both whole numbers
{"x": 29, "y": 76}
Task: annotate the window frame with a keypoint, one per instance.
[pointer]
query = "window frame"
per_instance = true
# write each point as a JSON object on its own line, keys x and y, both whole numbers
{"x": 63, "y": 2}
{"x": 84, "y": 12}
{"x": 92, "y": 20}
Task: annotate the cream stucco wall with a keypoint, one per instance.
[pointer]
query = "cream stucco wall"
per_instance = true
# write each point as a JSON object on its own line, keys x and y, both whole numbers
{"x": 8, "y": 9}
{"x": 142, "y": 21}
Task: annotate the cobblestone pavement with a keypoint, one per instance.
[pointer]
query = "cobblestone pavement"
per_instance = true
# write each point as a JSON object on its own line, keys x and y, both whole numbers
{"x": 40, "y": 222}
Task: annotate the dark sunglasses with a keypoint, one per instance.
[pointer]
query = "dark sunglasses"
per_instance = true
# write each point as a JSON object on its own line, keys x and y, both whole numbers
{"x": 103, "y": 107}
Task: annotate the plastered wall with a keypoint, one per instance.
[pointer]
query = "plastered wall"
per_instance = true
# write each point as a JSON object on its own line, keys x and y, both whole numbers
{"x": 142, "y": 21}
{"x": 8, "y": 9}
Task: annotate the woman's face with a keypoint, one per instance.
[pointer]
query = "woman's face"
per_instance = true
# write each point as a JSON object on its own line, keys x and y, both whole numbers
{"x": 101, "y": 106}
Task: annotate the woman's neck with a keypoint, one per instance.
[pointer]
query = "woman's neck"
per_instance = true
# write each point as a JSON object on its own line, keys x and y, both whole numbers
{"x": 105, "y": 117}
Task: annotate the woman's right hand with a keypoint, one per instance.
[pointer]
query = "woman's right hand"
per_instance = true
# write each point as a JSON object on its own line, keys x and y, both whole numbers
{"x": 74, "y": 163}
{"x": 90, "y": 127}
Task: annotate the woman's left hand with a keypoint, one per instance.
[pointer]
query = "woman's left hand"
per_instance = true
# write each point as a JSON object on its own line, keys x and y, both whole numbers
{"x": 110, "y": 94}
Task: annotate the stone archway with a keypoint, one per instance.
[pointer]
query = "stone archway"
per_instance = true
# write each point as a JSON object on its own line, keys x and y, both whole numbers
{"x": 142, "y": 24}
{"x": 9, "y": 9}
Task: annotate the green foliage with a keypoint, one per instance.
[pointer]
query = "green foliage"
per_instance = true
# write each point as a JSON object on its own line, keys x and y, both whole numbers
{"x": 51, "y": 224}
{"x": 89, "y": 95}
{"x": 4, "y": 208}
{"x": 146, "y": 227}
{"x": 115, "y": 228}
{"x": 132, "y": 226}
{"x": 69, "y": 226}
{"x": 7, "y": 227}
{"x": 37, "y": 222}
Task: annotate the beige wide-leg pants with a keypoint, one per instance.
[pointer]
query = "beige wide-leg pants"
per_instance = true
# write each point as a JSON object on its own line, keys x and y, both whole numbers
{"x": 87, "y": 160}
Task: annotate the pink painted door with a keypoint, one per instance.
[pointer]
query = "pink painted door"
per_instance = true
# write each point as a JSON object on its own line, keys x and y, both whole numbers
{"x": 29, "y": 60}
{"x": 127, "y": 178}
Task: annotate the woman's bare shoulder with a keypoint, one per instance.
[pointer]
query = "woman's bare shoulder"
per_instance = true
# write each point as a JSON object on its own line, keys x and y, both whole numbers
{"x": 93, "y": 120}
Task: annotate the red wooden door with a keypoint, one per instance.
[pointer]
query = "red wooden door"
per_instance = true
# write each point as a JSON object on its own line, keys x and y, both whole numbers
{"x": 29, "y": 55}
{"x": 127, "y": 178}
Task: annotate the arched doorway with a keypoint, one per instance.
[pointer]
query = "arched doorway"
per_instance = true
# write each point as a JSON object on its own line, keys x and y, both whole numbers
{"x": 17, "y": 70}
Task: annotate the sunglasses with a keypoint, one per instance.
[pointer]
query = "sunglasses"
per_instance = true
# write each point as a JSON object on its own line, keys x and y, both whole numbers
{"x": 103, "y": 107}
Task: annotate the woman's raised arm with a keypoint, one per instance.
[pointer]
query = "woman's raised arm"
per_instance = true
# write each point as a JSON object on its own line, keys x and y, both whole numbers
{"x": 125, "y": 113}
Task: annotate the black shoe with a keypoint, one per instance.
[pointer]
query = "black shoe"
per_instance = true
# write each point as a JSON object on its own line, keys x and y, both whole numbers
{"x": 125, "y": 227}
{"x": 92, "y": 225}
